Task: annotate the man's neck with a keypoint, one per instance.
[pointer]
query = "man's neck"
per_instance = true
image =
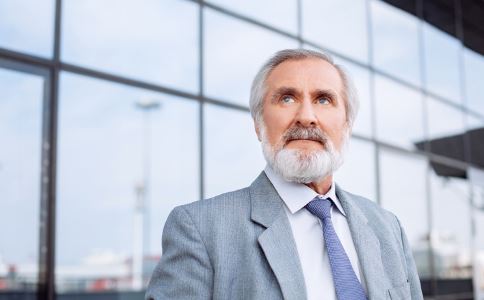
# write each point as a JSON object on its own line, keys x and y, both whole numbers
{"x": 323, "y": 186}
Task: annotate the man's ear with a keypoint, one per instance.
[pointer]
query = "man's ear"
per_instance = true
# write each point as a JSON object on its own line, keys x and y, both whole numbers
{"x": 257, "y": 131}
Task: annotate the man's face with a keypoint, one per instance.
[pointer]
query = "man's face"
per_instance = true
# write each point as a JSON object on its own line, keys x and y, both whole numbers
{"x": 304, "y": 93}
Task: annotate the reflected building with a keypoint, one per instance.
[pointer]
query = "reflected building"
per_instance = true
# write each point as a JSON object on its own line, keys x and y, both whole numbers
{"x": 73, "y": 143}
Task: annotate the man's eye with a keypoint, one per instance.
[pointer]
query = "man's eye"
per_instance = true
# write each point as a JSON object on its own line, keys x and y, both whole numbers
{"x": 287, "y": 99}
{"x": 324, "y": 100}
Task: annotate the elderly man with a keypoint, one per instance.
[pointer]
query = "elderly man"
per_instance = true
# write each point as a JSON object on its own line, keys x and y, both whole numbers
{"x": 293, "y": 233}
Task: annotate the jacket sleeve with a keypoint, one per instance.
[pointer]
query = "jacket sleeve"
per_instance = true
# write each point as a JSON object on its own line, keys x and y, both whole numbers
{"x": 184, "y": 270}
{"x": 413, "y": 279}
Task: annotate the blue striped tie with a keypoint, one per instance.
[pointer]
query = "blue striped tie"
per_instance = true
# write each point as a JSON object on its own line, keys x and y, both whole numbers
{"x": 345, "y": 281}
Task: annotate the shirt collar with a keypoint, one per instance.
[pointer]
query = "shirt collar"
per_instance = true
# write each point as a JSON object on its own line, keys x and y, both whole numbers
{"x": 297, "y": 195}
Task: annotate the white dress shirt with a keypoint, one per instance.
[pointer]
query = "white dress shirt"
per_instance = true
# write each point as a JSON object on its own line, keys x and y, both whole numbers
{"x": 308, "y": 235}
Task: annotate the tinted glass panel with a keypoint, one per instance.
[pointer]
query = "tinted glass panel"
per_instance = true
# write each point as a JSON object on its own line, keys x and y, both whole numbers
{"x": 126, "y": 157}
{"x": 326, "y": 23}
{"x": 403, "y": 192}
{"x": 357, "y": 174}
{"x": 361, "y": 79}
{"x": 399, "y": 113}
{"x": 21, "y": 101}
{"x": 231, "y": 63}
{"x": 478, "y": 263}
{"x": 395, "y": 42}
{"x": 442, "y": 78}
{"x": 451, "y": 226}
{"x": 276, "y": 13}
{"x": 474, "y": 72}
{"x": 445, "y": 121}
{"x": 27, "y": 26}
{"x": 155, "y": 41}
{"x": 233, "y": 155}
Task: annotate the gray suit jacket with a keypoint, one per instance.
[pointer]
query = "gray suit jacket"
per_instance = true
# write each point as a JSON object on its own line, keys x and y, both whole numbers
{"x": 239, "y": 245}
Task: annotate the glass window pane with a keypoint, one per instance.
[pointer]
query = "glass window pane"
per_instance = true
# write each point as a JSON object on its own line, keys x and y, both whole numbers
{"x": 357, "y": 174}
{"x": 478, "y": 212}
{"x": 231, "y": 63}
{"x": 445, "y": 121}
{"x": 277, "y": 13}
{"x": 474, "y": 72}
{"x": 119, "y": 152}
{"x": 442, "y": 78}
{"x": 395, "y": 42}
{"x": 150, "y": 40}
{"x": 361, "y": 79}
{"x": 326, "y": 23}
{"x": 451, "y": 226}
{"x": 475, "y": 127}
{"x": 21, "y": 97}
{"x": 27, "y": 26}
{"x": 478, "y": 263}
{"x": 233, "y": 155}
{"x": 474, "y": 122}
{"x": 399, "y": 113}
{"x": 403, "y": 192}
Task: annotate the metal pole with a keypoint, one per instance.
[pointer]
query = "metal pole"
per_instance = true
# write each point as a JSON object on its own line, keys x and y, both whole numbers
{"x": 142, "y": 211}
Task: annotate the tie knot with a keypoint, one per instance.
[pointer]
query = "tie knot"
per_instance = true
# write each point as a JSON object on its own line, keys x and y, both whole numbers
{"x": 321, "y": 208}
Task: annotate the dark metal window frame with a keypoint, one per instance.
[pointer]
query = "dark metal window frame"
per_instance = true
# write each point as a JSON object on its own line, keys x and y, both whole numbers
{"x": 51, "y": 67}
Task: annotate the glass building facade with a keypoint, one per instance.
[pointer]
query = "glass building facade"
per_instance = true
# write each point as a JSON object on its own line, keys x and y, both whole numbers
{"x": 114, "y": 112}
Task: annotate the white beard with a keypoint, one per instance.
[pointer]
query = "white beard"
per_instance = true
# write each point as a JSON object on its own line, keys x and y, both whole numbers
{"x": 296, "y": 166}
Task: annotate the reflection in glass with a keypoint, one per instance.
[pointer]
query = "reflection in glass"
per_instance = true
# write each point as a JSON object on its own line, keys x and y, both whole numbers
{"x": 444, "y": 119}
{"x": 27, "y": 26}
{"x": 151, "y": 40}
{"x": 473, "y": 122}
{"x": 441, "y": 49}
{"x": 233, "y": 155}
{"x": 399, "y": 113}
{"x": 234, "y": 52}
{"x": 361, "y": 79}
{"x": 327, "y": 24}
{"x": 124, "y": 163}
{"x": 357, "y": 174}
{"x": 451, "y": 232}
{"x": 21, "y": 97}
{"x": 403, "y": 192}
{"x": 478, "y": 262}
{"x": 441, "y": 62}
{"x": 395, "y": 42}
{"x": 279, "y": 14}
{"x": 474, "y": 72}
{"x": 478, "y": 257}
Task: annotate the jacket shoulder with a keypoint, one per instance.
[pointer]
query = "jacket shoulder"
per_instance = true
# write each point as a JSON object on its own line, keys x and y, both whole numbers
{"x": 222, "y": 209}
{"x": 378, "y": 216}
{"x": 226, "y": 200}
{"x": 370, "y": 207}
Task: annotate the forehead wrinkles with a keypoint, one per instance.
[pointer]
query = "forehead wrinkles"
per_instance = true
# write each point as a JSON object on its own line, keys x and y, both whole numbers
{"x": 310, "y": 73}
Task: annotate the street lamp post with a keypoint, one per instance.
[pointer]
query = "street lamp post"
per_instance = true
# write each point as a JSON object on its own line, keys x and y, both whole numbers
{"x": 141, "y": 245}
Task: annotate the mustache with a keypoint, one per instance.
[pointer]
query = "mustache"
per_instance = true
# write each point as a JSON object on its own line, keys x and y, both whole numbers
{"x": 305, "y": 133}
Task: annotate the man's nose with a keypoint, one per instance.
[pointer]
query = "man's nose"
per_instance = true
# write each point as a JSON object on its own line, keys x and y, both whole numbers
{"x": 306, "y": 116}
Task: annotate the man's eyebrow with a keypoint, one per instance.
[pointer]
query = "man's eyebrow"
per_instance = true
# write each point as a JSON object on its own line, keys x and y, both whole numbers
{"x": 284, "y": 90}
{"x": 325, "y": 93}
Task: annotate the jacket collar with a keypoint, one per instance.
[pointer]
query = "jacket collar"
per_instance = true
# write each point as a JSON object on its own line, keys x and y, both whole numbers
{"x": 367, "y": 245}
{"x": 277, "y": 241}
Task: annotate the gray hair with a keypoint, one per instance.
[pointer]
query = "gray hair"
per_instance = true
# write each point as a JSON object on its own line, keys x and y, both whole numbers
{"x": 258, "y": 90}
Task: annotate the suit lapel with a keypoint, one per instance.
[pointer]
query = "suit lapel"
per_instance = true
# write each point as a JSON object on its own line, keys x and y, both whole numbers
{"x": 367, "y": 247}
{"x": 276, "y": 240}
